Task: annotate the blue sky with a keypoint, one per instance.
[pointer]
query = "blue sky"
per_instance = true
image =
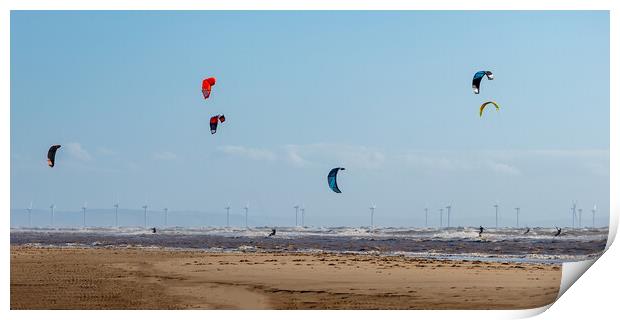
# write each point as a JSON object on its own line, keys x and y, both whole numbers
{"x": 385, "y": 94}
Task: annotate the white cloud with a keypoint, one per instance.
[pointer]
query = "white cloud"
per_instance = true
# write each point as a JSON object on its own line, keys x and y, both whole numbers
{"x": 595, "y": 161}
{"x": 293, "y": 156}
{"x": 569, "y": 153}
{"x": 165, "y": 155}
{"x": 507, "y": 162}
{"x": 503, "y": 168}
{"x": 250, "y": 153}
{"x": 447, "y": 161}
{"x": 76, "y": 151}
{"x": 105, "y": 151}
{"x": 433, "y": 161}
{"x": 510, "y": 162}
{"x": 346, "y": 155}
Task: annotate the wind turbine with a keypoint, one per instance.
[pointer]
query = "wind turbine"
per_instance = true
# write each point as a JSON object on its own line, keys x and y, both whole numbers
{"x": 52, "y": 207}
{"x": 593, "y": 213}
{"x": 580, "y": 210}
{"x": 372, "y": 216}
{"x": 145, "y": 206}
{"x": 116, "y": 214}
{"x": 518, "y": 209}
{"x": 84, "y": 214}
{"x": 29, "y": 209}
{"x": 573, "y": 209}
{"x": 166, "y": 217}
{"x": 303, "y": 214}
{"x": 441, "y": 218}
{"x": 227, "y": 215}
{"x": 496, "y": 215}
{"x": 296, "y": 213}
{"x": 425, "y": 217}
{"x": 448, "y": 208}
{"x": 247, "y": 206}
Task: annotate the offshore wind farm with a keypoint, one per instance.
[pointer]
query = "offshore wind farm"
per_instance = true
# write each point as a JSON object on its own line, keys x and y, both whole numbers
{"x": 540, "y": 244}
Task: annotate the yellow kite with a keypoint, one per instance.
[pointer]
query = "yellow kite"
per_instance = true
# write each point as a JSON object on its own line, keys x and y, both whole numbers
{"x": 485, "y": 104}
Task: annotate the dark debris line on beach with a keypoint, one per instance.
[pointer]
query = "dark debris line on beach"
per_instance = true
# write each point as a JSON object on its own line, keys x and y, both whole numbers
{"x": 327, "y": 243}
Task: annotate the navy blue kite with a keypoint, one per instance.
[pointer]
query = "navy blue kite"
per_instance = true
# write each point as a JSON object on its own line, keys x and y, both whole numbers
{"x": 51, "y": 155}
{"x": 475, "y": 83}
{"x": 331, "y": 179}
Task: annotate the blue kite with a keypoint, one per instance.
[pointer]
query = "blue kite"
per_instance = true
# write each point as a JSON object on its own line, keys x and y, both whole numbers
{"x": 475, "y": 83}
{"x": 331, "y": 179}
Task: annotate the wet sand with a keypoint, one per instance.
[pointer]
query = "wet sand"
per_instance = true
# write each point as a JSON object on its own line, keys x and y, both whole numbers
{"x": 132, "y": 278}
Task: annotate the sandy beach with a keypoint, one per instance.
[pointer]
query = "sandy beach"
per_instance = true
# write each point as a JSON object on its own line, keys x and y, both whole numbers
{"x": 133, "y": 278}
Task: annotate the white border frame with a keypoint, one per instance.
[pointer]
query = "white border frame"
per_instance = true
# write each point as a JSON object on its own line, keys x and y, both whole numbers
{"x": 599, "y": 293}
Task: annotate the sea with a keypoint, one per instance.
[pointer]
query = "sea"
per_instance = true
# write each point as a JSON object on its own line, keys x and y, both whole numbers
{"x": 539, "y": 245}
